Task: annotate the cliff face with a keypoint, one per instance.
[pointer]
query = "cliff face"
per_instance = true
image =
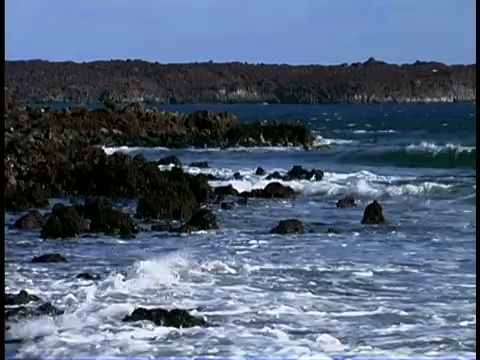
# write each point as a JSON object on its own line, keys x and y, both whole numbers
{"x": 128, "y": 81}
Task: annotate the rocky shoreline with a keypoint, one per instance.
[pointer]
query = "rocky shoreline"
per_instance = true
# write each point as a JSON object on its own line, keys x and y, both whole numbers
{"x": 134, "y": 80}
{"x": 55, "y": 154}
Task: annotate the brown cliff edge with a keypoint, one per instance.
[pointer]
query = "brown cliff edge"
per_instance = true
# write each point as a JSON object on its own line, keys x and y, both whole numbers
{"x": 135, "y": 80}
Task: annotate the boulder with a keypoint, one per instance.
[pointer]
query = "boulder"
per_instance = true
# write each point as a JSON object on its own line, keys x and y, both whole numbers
{"x": 49, "y": 258}
{"x": 272, "y": 190}
{"x": 260, "y": 171}
{"x": 290, "y": 226}
{"x": 203, "y": 219}
{"x": 373, "y": 214}
{"x": 275, "y": 176}
{"x": 169, "y": 318}
{"x": 346, "y": 202}
{"x": 225, "y": 191}
{"x": 237, "y": 176}
{"x": 65, "y": 222}
{"x": 88, "y": 276}
{"x": 31, "y": 221}
{"x": 299, "y": 173}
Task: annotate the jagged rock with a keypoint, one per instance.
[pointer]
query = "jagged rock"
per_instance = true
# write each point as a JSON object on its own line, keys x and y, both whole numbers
{"x": 31, "y": 221}
{"x": 290, "y": 226}
{"x": 373, "y": 214}
{"x": 299, "y": 173}
{"x": 237, "y": 176}
{"x": 168, "y": 318}
{"x": 346, "y": 202}
{"x": 49, "y": 258}
{"x": 23, "y": 297}
{"x": 275, "y": 176}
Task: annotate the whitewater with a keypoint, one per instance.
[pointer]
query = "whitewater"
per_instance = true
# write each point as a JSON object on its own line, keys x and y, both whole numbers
{"x": 407, "y": 288}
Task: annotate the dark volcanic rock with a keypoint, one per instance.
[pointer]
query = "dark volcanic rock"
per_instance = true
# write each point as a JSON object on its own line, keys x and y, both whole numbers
{"x": 65, "y": 222}
{"x": 88, "y": 276}
{"x": 199, "y": 164}
{"x": 275, "y": 176}
{"x": 272, "y": 190}
{"x": 373, "y": 214}
{"x": 49, "y": 258}
{"x": 260, "y": 171}
{"x": 225, "y": 190}
{"x": 203, "y": 219}
{"x": 290, "y": 226}
{"x": 170, "y": 160}
{"x": 31, "y": 221}
{"x": 237, "y": 176}
{"x": 168, "y": 318}
{"x": 299, "y": 173}
{"x": 23, "y": 297}
{"x": 28, "y": 312}
{"x": 346, "y": 202}
{"x": 25, "y": 197}
{"x": 104, "y": 218}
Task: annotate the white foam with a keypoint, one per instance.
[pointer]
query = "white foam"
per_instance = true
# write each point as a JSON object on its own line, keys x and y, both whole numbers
{"x": 435, "y": 148}
{"x": 320, "y": 140}
{"x": 389, "y": 131}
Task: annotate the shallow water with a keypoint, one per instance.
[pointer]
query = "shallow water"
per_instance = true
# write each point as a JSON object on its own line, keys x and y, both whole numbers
{"x": 406, "y": 288}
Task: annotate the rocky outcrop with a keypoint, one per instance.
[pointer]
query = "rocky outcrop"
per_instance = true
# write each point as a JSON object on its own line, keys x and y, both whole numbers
{"x": 127, "y": 81}
{"x": 201, "y": 220}
{"x": 289, "y": 226}
{"x": 271, "y": 191}
{"x": 31, "y": 221}
{"x": 373, "y": 214}
{"x": 169, "y": 318}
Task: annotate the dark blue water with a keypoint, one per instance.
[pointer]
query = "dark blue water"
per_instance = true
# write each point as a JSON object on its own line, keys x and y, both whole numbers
{"x": 406, "y": 288}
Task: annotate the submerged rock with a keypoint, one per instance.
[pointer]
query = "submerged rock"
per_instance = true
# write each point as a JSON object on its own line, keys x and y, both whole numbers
{"x": 226, "y": 205}
{"x": 170, "y": 160}
{"x": 199, "y": 164}
{"x": 346, "y": 202}
{"x": 31, "y": 221}
{"x": 373, "y": 214}
{"x": 289, "y": 226}
{"x": 28, "y": 312}
{"x": 88, "y": 276}
{"x": 23, "y": 297}
{"x": 49, "y": 258}
{"x": 168, "y": 318}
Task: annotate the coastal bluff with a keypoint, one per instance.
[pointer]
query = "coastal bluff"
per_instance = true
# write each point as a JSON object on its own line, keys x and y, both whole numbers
{"x": 127, "y": 81}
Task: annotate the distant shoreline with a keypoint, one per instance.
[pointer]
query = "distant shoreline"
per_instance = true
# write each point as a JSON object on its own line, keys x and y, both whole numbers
{"x": 210, "y": 83}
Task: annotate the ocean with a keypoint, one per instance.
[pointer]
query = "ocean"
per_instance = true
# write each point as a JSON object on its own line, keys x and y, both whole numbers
{"x": 406, "y": 288}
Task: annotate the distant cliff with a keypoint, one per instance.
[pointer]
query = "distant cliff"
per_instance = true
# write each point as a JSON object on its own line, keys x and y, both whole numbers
{"x": 134, "y": 80}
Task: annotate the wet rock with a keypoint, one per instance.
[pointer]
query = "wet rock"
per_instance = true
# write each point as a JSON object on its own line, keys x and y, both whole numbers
{"x": 168, "y": 318}
{"x": 28, "y": 312}
{"x": 170, "y": 160}
{"x": 200, "y": 164}
{"x": 165, "y": 204}
{"x": 49, "y": 258}
{"x": 23, "y": 297}
{"x": 161, "y": 227}
{"x": 226, "y": 206}
{"x": 88, "y": 276}
{"x": 275, "y": 176}
{"x": 203, "y": 219}
{"x": 272, "y": 190}
{"x": 333, "y": 231}
{"x": 290, "y": 226}
{"x": 346, "y": 202}
{"x": 299, "y": 173}
{"x": 65, "y": 222}
{"x": 237, "y": 176}
{"x": 260, "y": 171}
{"x": 25, "y": 196}
{"x": 373, "y": 214}
{"x": 31, "y": 221}
{"x": 228, "y": 190}
{"x": 105, "y": 219}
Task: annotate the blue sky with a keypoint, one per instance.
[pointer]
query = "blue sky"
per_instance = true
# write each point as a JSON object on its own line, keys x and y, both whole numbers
{"x": 269, "y": 31}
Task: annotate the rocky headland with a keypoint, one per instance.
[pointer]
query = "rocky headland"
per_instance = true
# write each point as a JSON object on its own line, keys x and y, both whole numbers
{"x": 134, "y": 80}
